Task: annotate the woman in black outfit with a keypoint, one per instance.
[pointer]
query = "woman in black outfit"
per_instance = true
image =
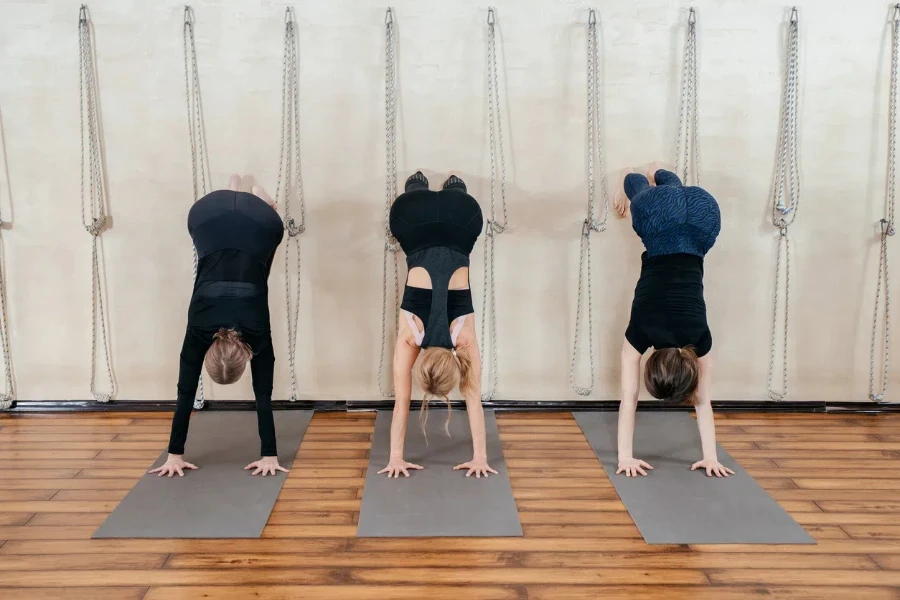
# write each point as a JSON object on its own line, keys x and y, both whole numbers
{"x": 236, "y": 235}
{"x": 436, "y": 332}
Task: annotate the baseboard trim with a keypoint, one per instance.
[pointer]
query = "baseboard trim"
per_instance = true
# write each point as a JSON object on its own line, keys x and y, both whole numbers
{"x": 75, "y": 406}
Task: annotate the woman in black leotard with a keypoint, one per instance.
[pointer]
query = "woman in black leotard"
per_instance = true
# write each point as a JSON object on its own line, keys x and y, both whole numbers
{"x": 437, "y": 231}
{"x": 236, "y": 235}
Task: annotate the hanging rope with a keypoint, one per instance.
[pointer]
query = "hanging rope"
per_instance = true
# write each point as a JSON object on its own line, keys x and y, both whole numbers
{"x": 7, "y": 398}
{"x": 887, "y": 230}
{"x": 94, "y": 216}
{"x": 391, "y": 247}
{"x": 786, "y": 201}
{"x": 590, "y": 224}
{"x": 290, "y": 159}
{"x": 687, "y": 118}
{"x": 493, "y": 227}
{"x": 199, "y": 167}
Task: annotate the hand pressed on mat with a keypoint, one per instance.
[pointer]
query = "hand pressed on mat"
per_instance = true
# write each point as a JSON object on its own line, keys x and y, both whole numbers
{"x": 632, "y": 467}
{"x": 174, "y": 464}
{"x": 713, "y": 467}
{"x": 267, "y": 465}
{"x": 398, "y": 465}
{"x": 479, "y": 466}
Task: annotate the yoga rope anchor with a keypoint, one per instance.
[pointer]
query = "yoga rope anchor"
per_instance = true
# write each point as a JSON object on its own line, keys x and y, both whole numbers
{"x": 94, "y": 218}
{"x": 493, "y": 227}
{"x": 787, "y": 188}
{"x": 391, "y": 246}
{"x": 687, "y": 118}
{"x": 289, "y": 158}
{"x": 887, "y": 229}
{"x": 196, "y": 133}
{"x": 590, "y": 224}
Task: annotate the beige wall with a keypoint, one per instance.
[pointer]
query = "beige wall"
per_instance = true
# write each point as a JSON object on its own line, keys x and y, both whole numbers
{"x": 845, "y": 52}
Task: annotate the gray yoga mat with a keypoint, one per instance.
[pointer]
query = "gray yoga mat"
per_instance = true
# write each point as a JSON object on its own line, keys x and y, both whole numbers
{"x": 219, "y": 499}
{"x": 673, "y": 505}
{"x": 437, "y": 501}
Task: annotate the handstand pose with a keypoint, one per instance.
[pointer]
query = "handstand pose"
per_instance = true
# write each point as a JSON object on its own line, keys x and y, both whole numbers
{"x": 437, "y": 231}
{"x": 678, "y": 225}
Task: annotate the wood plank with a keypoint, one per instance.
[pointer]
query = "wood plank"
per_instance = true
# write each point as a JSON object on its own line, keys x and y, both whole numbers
{"x": 531, "y": 576}
{"x": 68, "y": 484}
{"x": 803, "y": 577}
{"x": 317, "y": 505}
{"x": 16, "y": 455}
{"x": 15, "y": 518}
{"x": 38, "y": 474}
{"x": 798, "y": 494}
{"x": 14, "y": 495}
{"x": 30, "y": 532}
{"x": 873, "y": 531}
{"x": 146, "y": 455}
{"x": 890, "y": 562}
{"x": 316, "y": 435}
{"x": 835, "y": 456}
{"x": 656, "y": 592}
{"x": 84, "y": 463}
{"x": 335, "y": 445}
{"x": 53, "y": 506}
{"x": 573, "y": 493}
{"x": 336, "y": 592}
{"x": 883, "y": 473}
{"x": 316, "y": 494}
{"x": 149, "y": 546}
{"x": 332, "y": 463}
{"x": 612, "y": 505}
{"x": 13, "y": 562}
{"x": 310, "y": 518}
{"x": 67, "y": 519}
{"x": 306, "y": 453}
{"x": 511, "y": 544}
{"x": 309, "y": 531}
{"x": 847, "y": 484}
{"x": 550, "y": 463}
{"x": 161, "y": 577}
{"x": 601, "y": 486}
{"x": 90, "y": 593}
{"x": 297, "y": 481}
{"x": 853, "y": 546}
{"x": 860, "y": 506}
{"x": 94, "y": 419}
{"x": 823, "y": 445}
{"x": 850, "y": 468}
{"x": 91, "y": 495}
{"x": 547, "y": 517}
{"x": 54, "y": 439}
{"x": 6, "y": 444}
{"x": 370, "y": 559}
{"x": 582, "y": 531}
{"x": 841, "y": 519}
{"x": 692, "y": 560}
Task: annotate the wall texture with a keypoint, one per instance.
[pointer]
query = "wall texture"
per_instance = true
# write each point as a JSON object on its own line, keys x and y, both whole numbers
{"x": 845, "y": 56}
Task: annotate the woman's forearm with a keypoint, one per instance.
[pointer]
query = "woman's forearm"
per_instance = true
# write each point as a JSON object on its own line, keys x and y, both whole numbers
{"x": 707, "y": 426}
{"x": 627, "y": 410}
{"x": 398, "y": 424}
{"x": 476, "y": 424}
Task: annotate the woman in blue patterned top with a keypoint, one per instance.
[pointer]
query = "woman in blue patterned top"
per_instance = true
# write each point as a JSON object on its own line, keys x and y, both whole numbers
{"x": 678, "y": 225}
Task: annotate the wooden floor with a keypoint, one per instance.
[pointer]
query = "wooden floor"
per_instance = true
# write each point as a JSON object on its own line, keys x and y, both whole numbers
{"x": 839, "y": 476}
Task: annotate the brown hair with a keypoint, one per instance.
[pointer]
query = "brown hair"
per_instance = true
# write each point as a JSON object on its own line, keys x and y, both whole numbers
{"x": 672, "y": 375}
{"x": 439, "y": 370}
{"x": 227, "y": 357}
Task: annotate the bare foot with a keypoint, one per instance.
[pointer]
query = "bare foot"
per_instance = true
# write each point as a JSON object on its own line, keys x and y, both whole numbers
{"x": 261, "y": 193}
{"x": 621, "y": 202}
{"x": 234, "y": 183}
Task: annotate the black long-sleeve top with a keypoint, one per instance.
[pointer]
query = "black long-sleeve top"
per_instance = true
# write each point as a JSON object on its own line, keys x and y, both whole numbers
{"x": 236, "y": 235}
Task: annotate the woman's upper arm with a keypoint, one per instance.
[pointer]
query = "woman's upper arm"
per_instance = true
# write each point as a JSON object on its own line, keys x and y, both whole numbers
{"x": 405, "y": 350}
{"x": 705, "y": 383}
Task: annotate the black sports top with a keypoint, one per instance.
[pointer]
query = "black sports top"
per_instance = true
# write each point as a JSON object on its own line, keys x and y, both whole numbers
{"x": 668, "y": 310}
{"x": 437, "y": 231}
{"x": 236, "y": 235}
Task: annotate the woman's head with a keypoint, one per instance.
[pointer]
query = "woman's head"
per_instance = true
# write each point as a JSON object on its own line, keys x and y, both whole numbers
{"x": 672, "y": 374}
{"x": 439, "y": 371}
{"x": 227, "y": 357}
